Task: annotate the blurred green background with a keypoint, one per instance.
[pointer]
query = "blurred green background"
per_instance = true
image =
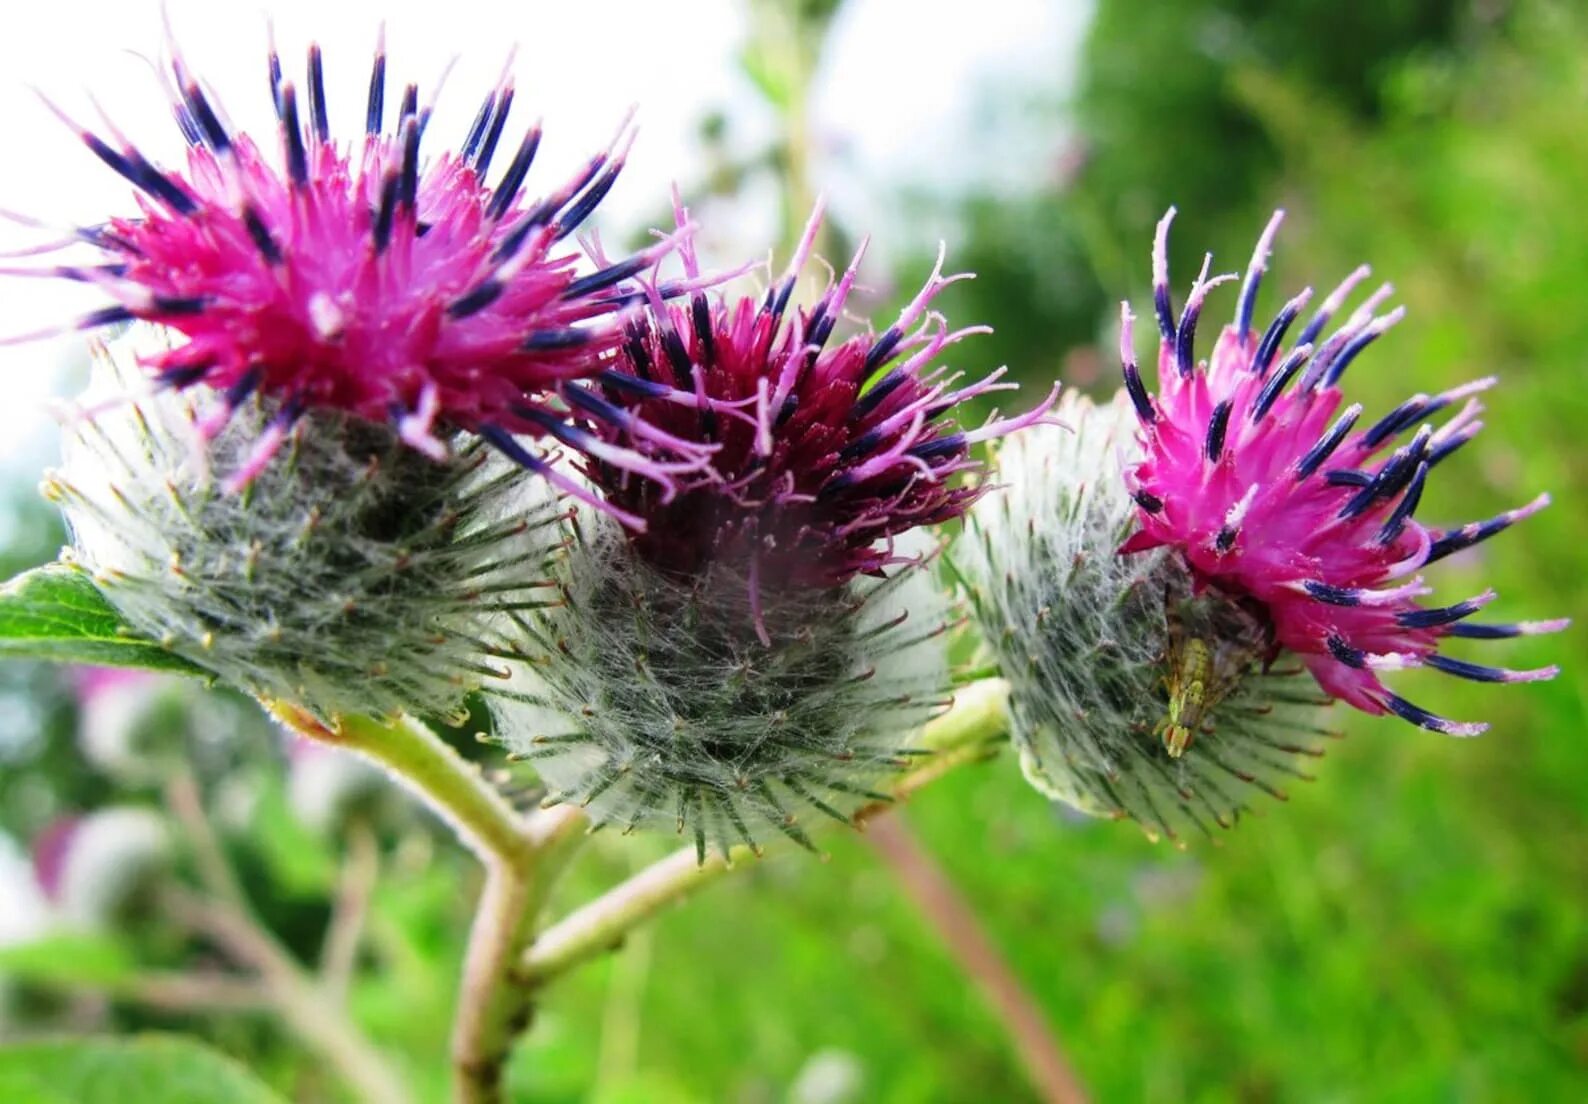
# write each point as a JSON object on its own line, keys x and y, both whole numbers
{"x": 1411, "y": 927}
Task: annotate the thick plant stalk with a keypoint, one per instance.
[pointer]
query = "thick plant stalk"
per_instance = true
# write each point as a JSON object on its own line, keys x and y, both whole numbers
{"x": 493, "y": 1005}
{"x": 943, "y": 906}
{"x": 977, "y": 716}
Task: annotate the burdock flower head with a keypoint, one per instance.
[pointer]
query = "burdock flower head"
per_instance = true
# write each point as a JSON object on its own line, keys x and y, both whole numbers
{"x": 339, "y": 333}
{"x": 770, "y": 638}
{"x": 357, "y": 276}
{"x": 1130, "y": 693}
{"x": 1275, "y": 499}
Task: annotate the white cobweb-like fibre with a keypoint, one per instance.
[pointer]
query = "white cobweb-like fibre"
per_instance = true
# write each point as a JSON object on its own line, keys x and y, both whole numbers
{"x": 1085, "y": 638}
{"x": 352, "y": 575}
{"x": 653, "y": 702}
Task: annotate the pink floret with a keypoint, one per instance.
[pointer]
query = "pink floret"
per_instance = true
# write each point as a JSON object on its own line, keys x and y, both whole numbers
{"x": 824, "y": 448}
{"x": 1256, "y": 474}
{"x": 356, "y": 275}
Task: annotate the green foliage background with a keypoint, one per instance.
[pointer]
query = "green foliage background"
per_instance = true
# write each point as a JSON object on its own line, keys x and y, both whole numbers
{"x": 1411, "y": 927}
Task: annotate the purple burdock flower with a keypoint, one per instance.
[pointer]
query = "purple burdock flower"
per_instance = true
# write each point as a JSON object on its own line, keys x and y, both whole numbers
{"x": 1255, "y": 474}
{"x": 767, "y": 645}
{"x": 358, "y": 276}
{"x": 822, "y": 452}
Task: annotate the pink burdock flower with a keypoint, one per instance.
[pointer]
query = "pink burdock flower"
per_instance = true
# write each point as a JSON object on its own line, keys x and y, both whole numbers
{"x": 1271, "y": 493}
{"x": 358, "y": 276}
{"x": 766, "y": 647}
{"x": 822, "y": 451}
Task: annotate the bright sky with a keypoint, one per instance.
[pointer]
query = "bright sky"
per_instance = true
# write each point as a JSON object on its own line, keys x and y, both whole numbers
{"x": 897, "y": 100}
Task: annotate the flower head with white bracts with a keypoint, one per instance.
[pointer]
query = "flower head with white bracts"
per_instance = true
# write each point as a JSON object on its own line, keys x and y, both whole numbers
{"x": 1270, "y": 491}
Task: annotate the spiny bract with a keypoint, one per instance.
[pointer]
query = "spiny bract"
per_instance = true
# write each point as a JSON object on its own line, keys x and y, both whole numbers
{"x": 356, "y": 575}
{"x": 1091, "y": 642}
{"x": 653, "y": 701}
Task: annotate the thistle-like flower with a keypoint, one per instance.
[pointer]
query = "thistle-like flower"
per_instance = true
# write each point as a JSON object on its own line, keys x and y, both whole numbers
{"x": 1106, "y": 655}
{"x": 765, "y": 645}
{"x": 1272, "y": 500}
{"x": 354, "y": 575}
{"x": 822, "y": 451}
{"x": 356, "y": 277}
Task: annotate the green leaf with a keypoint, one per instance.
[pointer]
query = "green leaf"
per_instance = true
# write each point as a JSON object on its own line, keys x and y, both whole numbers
{"x": 68, "y": 958}
{"x": 148, "y": 1069}
{"x": 56, "y": 613}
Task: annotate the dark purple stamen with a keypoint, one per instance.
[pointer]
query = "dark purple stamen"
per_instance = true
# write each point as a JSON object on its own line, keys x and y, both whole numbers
{"x": 1468, "y": 535}
{"x": 142, "y": 175}
{"x": 1164, "y": 309}
{"x": 678, "y": 357}
{"x": 1148, "y": 501}
{"x": 179, "y": 378}
{"x": 860, "y": 445}
{"x": 1138, "y": 393}
{"x": 507, "y": 191}
{"x": 1476, "y": 672}
{"x": 639, "y": 354}
{"x": 1218, "y": 424}
{"x": 384, "y": 216}
{"x": 1396, "y": 522}
{"x": 1333, "y": 595}
{"x": 1489, "y": 632}
{"x": 1185, "y": 338}
{"x": 1408, "y": 413}
{"x": 410, "y": 105}
{"x": 185, "y": 123}
{"x": 574, "y": 217}
{"x": 591, "y": 403}
{"x": 1354, "y": 658}
{"x": 1348, "y": 477}
{"x": 637, "y": 385}
{"x": 471, "y": 142}
{"x": 205, "y": 119}
{"x": 1275, "y": 384}
{"x": 503, "y": 442}
{"x": 408, "y": 189}
{"x": 318, "y": 119}
{"x": 878, "y": 391}
{"x": 605, "y": 278}
{"x": 883, "y": 348}
{"x": 1439, "y": 617}
{"x": 1327, "y": 443}
{"x": 562, "y": 337}
{"x": 700, "y": 319}
{"x": 948, "y": 445}
{"x": 246, "y": 385}
{"x": 1418, "y": 715}
{"x": 178, "y": 304}
{"x": 274, "y": 65}
{"x": 375, "y": 111}
{"x": 260, "y": 233}
{"x": 297, "y": 156}
{"x": 105, "y": 316}
{"x": 1449, "y": 446}
{"x": 1346, "y": 355}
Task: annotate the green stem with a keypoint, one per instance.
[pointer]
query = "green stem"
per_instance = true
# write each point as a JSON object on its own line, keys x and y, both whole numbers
{"x": 978, "y": 716}
{"x": 493, "y": 1005}
{"x": 450, "y": 785}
